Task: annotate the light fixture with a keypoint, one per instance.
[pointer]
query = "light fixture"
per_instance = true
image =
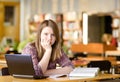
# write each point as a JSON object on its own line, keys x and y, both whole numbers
{"x": 85, "y": 28}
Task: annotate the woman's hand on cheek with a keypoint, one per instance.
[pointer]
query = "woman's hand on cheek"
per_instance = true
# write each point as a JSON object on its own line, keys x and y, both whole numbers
{"x": 46, "y": 44}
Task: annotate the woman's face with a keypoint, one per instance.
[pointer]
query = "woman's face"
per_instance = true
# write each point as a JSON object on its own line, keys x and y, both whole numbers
{"x": 48, "y": 35}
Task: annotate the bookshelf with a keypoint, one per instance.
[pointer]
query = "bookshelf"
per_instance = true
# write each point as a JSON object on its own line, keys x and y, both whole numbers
{"x": 72, "y": 32}
{"x": 115, "y": 26}
{"x": 68, "y": 23}
{"x": 34, "y": 21}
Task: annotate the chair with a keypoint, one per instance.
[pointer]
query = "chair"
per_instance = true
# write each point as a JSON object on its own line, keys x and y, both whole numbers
{"x": 79, "y": 55}
{"x": 5, "y": 71}
{"x": 12, "y": 52}
{"x": 104, "y": 65}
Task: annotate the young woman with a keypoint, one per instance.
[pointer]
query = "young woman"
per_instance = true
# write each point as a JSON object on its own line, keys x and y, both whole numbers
{"x": 46, "y": 51}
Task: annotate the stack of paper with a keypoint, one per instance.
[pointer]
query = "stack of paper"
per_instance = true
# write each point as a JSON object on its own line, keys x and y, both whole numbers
{"x": 91, "y": 72}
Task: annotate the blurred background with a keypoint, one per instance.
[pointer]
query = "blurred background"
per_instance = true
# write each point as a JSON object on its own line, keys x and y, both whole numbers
{"x": 79, "y": 21}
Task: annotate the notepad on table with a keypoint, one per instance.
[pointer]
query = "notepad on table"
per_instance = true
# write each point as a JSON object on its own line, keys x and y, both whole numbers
{"x": 85, "y": 72}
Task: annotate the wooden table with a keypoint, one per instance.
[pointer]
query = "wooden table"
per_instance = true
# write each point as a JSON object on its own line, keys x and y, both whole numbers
{"x": 64, "y": 79}
{"x": 61, "y": 79}
{"x": 83, "y": 61}
{"x": 2, "y": 61}
{"x": 112, "y": 53}
{"x": 3, "y": 64}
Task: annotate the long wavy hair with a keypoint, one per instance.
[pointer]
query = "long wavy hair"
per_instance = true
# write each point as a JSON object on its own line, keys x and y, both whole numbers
{"x": 56, "y": 47}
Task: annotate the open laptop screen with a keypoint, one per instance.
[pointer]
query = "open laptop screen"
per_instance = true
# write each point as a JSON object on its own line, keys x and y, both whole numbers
{"x": 21, "y": 66}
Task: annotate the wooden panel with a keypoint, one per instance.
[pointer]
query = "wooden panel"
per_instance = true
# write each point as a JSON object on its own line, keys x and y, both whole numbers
{"x": 13, "y": 30}
{"x": 96, "y": 48}
{"x": 1, "y": 20}
{"x": 78, "y": 48}
{"x": 10, "y": 30}
{"x": 109, "y": 47}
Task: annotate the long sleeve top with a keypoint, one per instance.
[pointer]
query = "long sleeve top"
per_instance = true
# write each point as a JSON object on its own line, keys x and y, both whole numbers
{"x": 30, "y": 49}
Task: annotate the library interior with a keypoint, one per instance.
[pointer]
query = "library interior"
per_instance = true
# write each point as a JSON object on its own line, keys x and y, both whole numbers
{"x": 89, "y": 33}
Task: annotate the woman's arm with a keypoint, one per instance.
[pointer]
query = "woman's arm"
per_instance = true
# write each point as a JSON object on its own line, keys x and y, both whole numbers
{"x": 43, "y": 63}
{"x": 63, "y": 70}
{"x": 65, "y": 63}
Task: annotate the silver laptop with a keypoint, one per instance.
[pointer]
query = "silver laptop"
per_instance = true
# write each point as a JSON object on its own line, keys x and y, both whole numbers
{"x": 21, "y": 66}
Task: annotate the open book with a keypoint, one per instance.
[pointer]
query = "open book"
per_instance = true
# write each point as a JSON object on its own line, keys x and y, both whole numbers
{"x": 84, "y": 72}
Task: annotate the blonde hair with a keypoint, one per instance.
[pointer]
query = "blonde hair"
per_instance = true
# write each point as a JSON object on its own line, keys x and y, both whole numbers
{"x": 106, "y": 37}
{"x": 56, "y": 47}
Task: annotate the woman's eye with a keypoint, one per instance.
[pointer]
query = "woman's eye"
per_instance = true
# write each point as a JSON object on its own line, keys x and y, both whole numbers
{"x": 45, "y": 34}
{"x": 53, "y": 34}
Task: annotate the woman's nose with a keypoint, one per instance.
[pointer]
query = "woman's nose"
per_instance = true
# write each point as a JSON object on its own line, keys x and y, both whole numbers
{"x": 50, "y": 37}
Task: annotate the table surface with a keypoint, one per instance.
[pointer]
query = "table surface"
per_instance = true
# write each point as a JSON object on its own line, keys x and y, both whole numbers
{"x": 61, "y": 79}
{"x": 83, "y": 61}
{"x": 2, "y": 61}
{"x": 112, "y": 53}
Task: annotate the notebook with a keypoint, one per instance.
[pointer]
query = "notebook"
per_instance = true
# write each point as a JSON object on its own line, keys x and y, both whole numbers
{"x": 21, "y": 66}
{"x": 84, "y": 72}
